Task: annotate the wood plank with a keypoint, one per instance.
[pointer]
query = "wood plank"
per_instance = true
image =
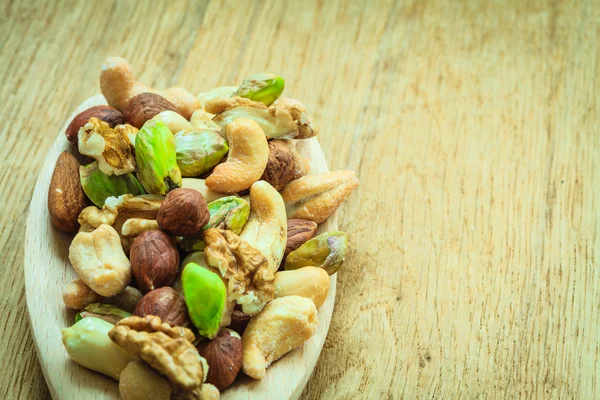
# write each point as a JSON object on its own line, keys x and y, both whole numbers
{"x": 471, "y": 126}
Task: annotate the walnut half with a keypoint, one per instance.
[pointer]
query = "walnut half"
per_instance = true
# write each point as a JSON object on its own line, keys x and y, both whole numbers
{"x": 129, "y": 215}
{"x": 167, "y": 349}
{"x": 250, "y": 283}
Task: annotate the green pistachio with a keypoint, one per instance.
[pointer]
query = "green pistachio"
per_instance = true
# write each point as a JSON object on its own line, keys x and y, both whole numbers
{"x": 199, "y": 151}
{"x": 205, "y": 296}
{"x": 229, "y": 212}
{"x": 106, "y": 312}
{"x": 99, "y": 186}
{"x": 263, "y": 87}
{"x": 327, "y": 251}
{"x": 196, "y": 257}
{"x": 88, "y": 344}
{"x": 156, "y": 158}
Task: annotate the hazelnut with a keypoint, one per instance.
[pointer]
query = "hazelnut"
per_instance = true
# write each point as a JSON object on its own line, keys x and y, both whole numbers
{"x": 281, "y": 167}
{"x": 165, "y": 303}
{"x": 111, "y": 116}
{"x": 145, "y": 106}
{"x": 239, "y": 319}
{"x": 154, "y": 260}
{"x": 183, "y": 213}
{"x": 223, "y": 355}
{"x": 299, "y": 232}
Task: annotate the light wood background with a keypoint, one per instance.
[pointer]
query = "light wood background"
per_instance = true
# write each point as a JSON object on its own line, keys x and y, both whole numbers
{"x": 472, "y": 126}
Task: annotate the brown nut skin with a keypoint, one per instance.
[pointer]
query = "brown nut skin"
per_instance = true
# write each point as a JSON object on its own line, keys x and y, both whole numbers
{"x": 154, "y": 260}
{"x": 165, "y": 303}
{"x": 299, "y": 231}
{"x": 111, "y": 116}
{"x": 281, "y": 168}
{"x": 145, "y": 106}
{"x": 239, "y": 320}
{"x": 224, "y": 357}
{"x": 66, "y": 198}
{"x": 118, "y": 85}
{"x": 183, "y": 213}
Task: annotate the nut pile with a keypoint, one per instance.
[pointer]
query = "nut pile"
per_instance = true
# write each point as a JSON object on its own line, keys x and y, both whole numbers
{"x": 195, "y": 249}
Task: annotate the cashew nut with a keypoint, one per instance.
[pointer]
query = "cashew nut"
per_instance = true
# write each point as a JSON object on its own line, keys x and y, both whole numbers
{"x": 200, "y": 185}
{"x": 248, "y": 157}
{"x": 316, "y": 197}
{"x": 175, "y": 122}
{"x": 136, "y": 226}
{"x": 309, "y": 282}
{"x": 118, "y": 86}
{"x": 203, "y": 120}
{"x": 221, "y": 91}
{"x": 77, "y": 295}
{"x": 99, "y": 260}
{"x": 283, "y": 325}
{"x": 266, "y": 229}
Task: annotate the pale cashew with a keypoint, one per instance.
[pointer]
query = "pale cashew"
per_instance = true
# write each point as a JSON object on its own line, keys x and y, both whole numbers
{"x": 221, "y": 91}
{"x": 248, "y": 157}
{"x": 77, "y": 295}
{"x": 99, "y": 260}
{"x": 266, "y": 229}
{"x": 175, "y": 122}
{"x": 203, "y": 120}
{"x": 316, "y": 197}
{"x": 309, "y": 282}
{"x": 284, "y": 325}
{"x": 136, "y": 226}
{"x": 118, "y": 86}
{"x": 200, "y": 186}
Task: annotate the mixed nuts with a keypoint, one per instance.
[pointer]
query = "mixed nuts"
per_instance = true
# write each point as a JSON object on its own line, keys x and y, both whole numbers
{"x": 168, "y": 180}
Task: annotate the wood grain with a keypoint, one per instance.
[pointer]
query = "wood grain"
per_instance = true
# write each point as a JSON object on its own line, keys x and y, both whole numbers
{"x": 471, "y": 124}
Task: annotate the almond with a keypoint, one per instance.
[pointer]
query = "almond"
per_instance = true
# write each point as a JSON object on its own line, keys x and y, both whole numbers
{"x": 111, "y": 116}
{"x": 299, "y": 231}
{"x": 65, "y": 195}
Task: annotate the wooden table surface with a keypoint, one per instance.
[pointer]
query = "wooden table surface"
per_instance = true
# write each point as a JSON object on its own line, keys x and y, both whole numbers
{"x": 471, "y": 124}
